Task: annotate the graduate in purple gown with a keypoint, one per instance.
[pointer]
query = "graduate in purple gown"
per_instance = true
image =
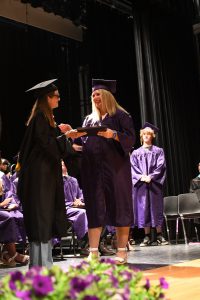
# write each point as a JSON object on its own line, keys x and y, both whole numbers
{"x": 12, "y": 228}
{"x": 106, "y": 169}
{"x": 148, "y": 176}
{"x": 74, "y": 204}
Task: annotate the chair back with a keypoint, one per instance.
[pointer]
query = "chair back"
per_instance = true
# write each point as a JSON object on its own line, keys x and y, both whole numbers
{"x": 188, "y": 204}
{"x": 170, "y": 205}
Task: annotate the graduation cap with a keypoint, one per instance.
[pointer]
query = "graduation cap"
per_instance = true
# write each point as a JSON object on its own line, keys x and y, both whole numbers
{"x": 43, "y": 88}
{"x": 109, "y": 85}
{"x": 149, "y": 125}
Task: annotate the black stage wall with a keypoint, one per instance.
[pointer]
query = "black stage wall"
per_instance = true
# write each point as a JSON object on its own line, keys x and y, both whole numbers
{"x": 27, "y": 56}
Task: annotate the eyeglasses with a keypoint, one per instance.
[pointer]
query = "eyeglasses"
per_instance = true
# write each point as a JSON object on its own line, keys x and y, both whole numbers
{"x": 58, "y": 96}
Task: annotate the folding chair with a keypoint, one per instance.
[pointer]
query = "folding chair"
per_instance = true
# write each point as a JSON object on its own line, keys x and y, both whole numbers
{"x": 71, "y": 238}
{"x": 188, "y": 208}
{"x": 171, "y": 213}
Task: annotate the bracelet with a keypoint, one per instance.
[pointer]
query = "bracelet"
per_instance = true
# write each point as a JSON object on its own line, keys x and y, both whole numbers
{"x": 114, "y": 134}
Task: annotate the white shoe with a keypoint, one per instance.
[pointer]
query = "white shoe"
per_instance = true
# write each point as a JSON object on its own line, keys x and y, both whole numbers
{"x": 93, "y": 255}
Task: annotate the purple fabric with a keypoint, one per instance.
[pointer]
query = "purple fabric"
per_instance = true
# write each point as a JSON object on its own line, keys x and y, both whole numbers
{"x": 11, "y": 227}
{"x": 78, "y": 216}
{"x": 148, "y": 197}
{"x": 11, "y": 222}
{"x": 106, "y": 173}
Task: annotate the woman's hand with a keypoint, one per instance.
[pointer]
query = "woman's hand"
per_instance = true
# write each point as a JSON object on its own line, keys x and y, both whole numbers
{"x": 77, "y": 148}
{"x": 78, "y": 203}
{"x": 74, "y": 134}
{"x": 108, "y": 134}
{"x": 145, "y": 178}
{"x": 5, "y": 202}
{"x": 13, "y": 206}
{"x": 64, "y": 127}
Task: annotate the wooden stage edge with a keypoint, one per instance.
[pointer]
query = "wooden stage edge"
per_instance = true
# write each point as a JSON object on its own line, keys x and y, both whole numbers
{"x": 183, "y": 279}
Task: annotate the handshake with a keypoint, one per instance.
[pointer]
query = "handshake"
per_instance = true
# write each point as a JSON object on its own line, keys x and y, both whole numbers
{"x": 145, "y": 178}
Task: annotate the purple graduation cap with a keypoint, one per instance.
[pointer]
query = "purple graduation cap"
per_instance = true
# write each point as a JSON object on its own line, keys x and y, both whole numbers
{"x": 109, "y": 85}
{"x": 43, "y": 88}
{"x": 153, "y": 127}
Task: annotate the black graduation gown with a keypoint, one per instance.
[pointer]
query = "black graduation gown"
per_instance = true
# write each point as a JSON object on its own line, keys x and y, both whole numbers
{"x": 40, "y": 186}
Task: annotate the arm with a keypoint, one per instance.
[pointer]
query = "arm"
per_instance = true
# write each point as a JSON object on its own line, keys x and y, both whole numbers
{"x": 159, "y": 173}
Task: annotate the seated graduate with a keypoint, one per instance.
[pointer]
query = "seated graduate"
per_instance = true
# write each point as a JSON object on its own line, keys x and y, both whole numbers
{"x": 12, "y": 228}
{"x": 75, "y": 211}
{"x": 5, "y": 167}
{"x": 74, "y": 204}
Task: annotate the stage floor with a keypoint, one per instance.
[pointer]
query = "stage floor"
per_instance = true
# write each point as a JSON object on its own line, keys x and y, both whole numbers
{"x": 179, "y": 264}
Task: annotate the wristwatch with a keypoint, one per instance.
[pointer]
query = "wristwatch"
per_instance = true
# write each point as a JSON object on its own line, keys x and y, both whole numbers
{"x": 114, "y": 134}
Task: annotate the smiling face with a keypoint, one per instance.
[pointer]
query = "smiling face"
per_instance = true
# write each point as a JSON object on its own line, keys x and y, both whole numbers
{"x": 54, "y": 99}
{"x": 96, "y": 98}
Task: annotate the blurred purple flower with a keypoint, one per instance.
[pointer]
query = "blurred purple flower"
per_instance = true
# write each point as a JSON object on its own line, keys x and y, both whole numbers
{"x": 42, "y": 285}
{"x": 126, "y": 294}
{"x": 147, "y": 284}
{"x": 16, "y": 276}
{"x": 91, "y": 278}
{"x": 79, "y": 284}
{"x": 108, "y": 261}
{"x": 163, "y": 283}
{"x": 23, "y": 295}
{"x": 126, "y": 275}
{"x": 81, "y": 265}
{"x": 161, "y": 296}
{"x": 114, "y": 281}
{"x": 90, "y": 298}
{"x": 33, "y": 271}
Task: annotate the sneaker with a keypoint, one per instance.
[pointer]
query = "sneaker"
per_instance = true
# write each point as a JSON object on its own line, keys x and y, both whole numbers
{"x": 132, "y": 241}
{"x": 161, "y": 241}
{"x": 146, "y": 242}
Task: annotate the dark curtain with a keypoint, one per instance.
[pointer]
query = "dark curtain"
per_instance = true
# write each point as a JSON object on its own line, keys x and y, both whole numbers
{"x": 168, "y": 85}
{"x": 108, "y": 52}
{"x": 28, "y": 56}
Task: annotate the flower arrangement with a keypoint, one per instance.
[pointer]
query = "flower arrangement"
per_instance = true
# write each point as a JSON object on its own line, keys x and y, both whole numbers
{"x": 92, "y": 280}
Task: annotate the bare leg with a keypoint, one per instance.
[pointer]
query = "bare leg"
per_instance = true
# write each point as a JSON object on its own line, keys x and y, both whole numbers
{"x": 159, "y": 229}
{"x": 147, "y": 230}
{"x": 10, "y": 248}
{"x": 94, "y": 237}
{"x": 13, "y": 255}
{"x": 122, "y": 240}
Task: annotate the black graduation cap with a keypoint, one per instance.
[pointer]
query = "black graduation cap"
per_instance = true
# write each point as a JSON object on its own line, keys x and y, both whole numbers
{"x": 109, "y": 85}
{"x": 43, "y": 88}
{"x": 153, "y": 127}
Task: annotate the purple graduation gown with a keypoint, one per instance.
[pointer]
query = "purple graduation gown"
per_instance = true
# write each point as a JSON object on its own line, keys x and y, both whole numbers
{"x": 106, "y": 173}
{"x": 148, "y": 197}
{"x": 76, "y": 215}
{"x": 11, "y": 222}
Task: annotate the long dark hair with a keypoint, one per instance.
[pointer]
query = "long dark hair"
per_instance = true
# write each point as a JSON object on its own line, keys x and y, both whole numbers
{"x": 41, "y": 104}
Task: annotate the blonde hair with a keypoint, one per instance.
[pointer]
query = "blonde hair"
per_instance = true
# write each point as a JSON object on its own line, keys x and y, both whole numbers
{"x": 41, "y": 104}
{"x": 146, "y": 130}
{"x": 109, "y": 104}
